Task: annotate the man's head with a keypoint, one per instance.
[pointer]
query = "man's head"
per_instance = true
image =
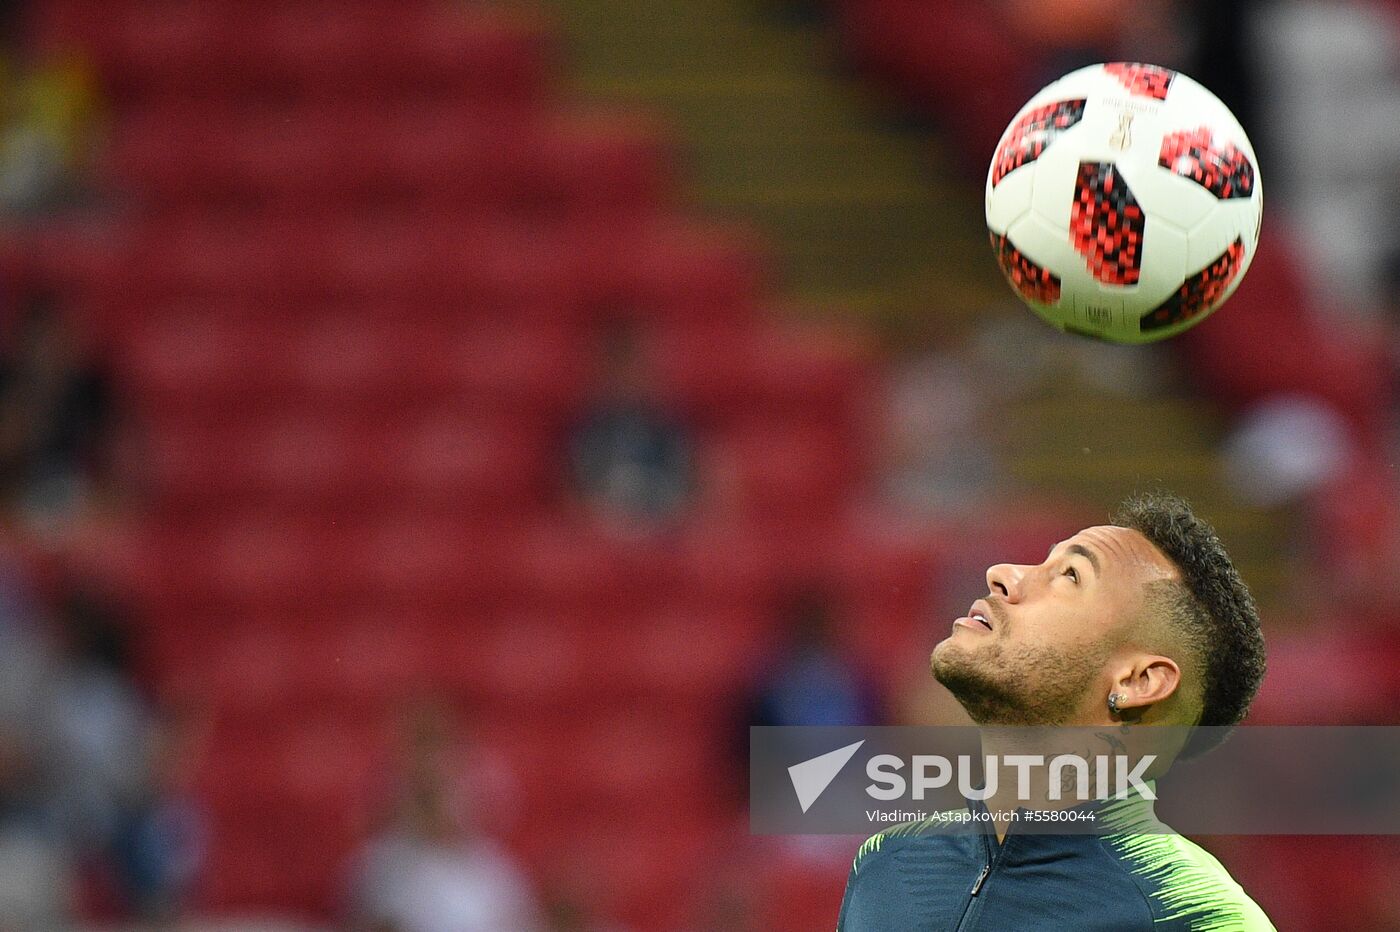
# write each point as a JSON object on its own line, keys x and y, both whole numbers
{"x": 1148, "y": 607}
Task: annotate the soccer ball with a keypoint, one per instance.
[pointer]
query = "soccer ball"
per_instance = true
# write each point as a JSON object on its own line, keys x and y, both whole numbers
{"x": 1124, "y": 203}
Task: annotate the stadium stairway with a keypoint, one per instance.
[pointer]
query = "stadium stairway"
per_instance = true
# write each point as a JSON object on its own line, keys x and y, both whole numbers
{"x": 862, "y": 208}
{"x": 872, "y": 216}
{"x": 364, "y": 252}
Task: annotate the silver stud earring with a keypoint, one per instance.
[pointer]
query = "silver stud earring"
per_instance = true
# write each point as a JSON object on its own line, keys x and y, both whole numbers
{"x": 1113, "y": 700}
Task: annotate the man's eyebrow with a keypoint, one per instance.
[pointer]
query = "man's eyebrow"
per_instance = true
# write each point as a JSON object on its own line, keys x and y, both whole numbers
{"x": 1088, "y": 554}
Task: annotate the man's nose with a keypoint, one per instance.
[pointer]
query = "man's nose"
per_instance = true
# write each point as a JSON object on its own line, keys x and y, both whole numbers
{"x": 1005, "y": 578}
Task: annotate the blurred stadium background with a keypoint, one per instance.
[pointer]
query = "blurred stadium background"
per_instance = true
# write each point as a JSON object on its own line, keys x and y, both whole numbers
{"x": 432, "y": 432}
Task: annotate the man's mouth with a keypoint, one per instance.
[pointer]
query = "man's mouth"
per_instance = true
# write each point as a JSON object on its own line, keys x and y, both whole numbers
{"x": 979, "y": 616}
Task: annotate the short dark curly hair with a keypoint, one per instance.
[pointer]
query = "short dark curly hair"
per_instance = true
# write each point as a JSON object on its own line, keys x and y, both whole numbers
{"x": 1211, "y": 608}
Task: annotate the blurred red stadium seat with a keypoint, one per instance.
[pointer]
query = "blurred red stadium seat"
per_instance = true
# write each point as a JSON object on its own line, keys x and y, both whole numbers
{"x": 797, "y": 894}
{"x": 721, "y": 371}
{"x": 304, "y": 48}
{"x": 798, "y": 472}
{"x": 693, "y": 656}
{"x": 957, "y": 61}
{"x": 314, "y": 843}
{"x": 665, "y": 269}
{"x": 1251, "y": 352}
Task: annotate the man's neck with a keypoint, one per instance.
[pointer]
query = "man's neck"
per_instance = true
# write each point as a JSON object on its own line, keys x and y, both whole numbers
{"x": 1107, "y": 752}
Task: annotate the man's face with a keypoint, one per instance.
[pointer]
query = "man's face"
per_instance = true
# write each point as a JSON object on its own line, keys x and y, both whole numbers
{"x": 1035, "y": 650}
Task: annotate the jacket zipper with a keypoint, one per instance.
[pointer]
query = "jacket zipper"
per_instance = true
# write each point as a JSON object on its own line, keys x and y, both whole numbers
{"x": 993, "y": 855}
{"x": 972, "y": 895}
{"x": 981, "y": 878}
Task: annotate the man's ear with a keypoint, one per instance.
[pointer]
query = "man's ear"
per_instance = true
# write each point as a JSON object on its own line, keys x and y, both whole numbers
{"x": 1148, "y": 681}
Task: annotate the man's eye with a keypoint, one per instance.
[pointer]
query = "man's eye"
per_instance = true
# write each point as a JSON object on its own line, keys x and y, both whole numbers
{"x": 1072, "y": 573}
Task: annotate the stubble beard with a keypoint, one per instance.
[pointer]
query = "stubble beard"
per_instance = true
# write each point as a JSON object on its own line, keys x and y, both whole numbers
{"x": 1002, "y": 685}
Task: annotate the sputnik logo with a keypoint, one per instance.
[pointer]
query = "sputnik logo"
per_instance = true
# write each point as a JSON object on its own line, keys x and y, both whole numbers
{"x": 811, "y": 777}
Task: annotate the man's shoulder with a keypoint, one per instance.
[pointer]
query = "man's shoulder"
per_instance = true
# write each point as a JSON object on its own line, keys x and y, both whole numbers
{"x": 1185, "y": 884}
{"x": 910, "y": 875}
{"x": 922, "y": 834}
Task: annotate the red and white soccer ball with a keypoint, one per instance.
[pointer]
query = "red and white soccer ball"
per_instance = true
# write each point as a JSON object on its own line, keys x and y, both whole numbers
{"x": 1124, "y": 202}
